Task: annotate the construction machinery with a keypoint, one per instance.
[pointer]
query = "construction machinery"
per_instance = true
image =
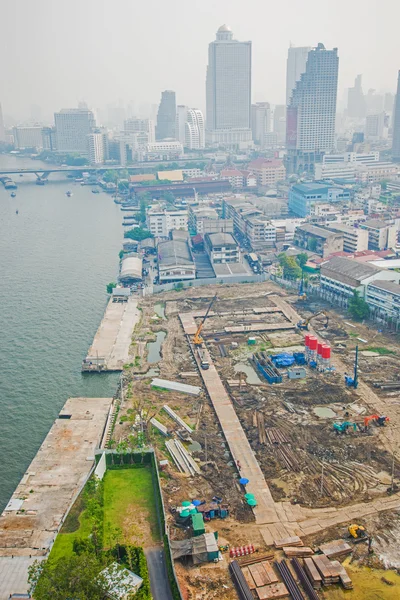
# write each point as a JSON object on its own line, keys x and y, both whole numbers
{"x": 343, "y": 427}
{"x": 197, "y": 339}
{"x": 352, "y": 381}
{"x": 380, "y": 420}
{"x": 304, "y": 324}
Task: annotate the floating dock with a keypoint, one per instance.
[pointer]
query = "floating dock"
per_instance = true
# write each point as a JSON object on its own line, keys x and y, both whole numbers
{"x": 37, "y": 508}
{"x": 110, "y": 348}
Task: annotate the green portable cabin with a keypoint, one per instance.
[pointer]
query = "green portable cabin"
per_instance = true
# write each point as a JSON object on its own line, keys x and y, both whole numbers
{"x": 198, "y": 524}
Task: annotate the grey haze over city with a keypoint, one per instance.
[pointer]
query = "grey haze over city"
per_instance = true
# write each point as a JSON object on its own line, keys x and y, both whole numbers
{"x": 53, "y": 54}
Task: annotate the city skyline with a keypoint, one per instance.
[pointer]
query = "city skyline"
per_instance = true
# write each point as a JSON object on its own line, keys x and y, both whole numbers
{"x": 85, "y": 68}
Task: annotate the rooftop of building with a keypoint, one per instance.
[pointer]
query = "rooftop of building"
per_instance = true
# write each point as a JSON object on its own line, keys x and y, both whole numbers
{"x": 266, "y": 163}
{"x": 231, "y": 173}
{"x": 224, "y": 28}
{"x": 315, "y": 231}
{"x": 221, "y": 239}
{"x": 310, "y": 188}
{"x": 346, "y": 269}
{"x": 375, "y": 224}
{"x": 174, "y": 252}
{"x": 388, "y": 286}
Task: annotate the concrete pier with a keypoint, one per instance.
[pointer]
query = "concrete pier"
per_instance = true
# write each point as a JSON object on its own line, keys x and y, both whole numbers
{"x": 53, "y": 480}
{"x": 110, "y": 348}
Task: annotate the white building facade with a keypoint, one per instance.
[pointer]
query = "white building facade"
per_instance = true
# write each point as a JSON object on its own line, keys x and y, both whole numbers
{"x": 162, "y": 221}
{"x": 73, "y": 125}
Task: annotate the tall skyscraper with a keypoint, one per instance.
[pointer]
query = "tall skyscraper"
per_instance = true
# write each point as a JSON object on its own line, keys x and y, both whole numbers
{"x": 73, "y": 125}
{"x": 194, "y": 129}
{"x": 166, "y": 116}
{"x": 356, "y": 106}
{"x": 228, "y": 91}
{"x": 2, "y": 130}
{"x": 260, "y": 122}
{"x": 279, "y": 123}
{"x": 310, "y": 119}
{"x": 396, "y": 125}
{"x": 295, "y": 66}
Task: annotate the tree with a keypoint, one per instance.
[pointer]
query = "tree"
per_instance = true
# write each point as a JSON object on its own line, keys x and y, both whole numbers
{"x": 358, "y": 308}
{"x": 121, "y": 254}
{"x": 138, "y": 234}
{"x": 302, "y": 259}
{"x": 110, "y": 287}
{"x": 169, "y": 197}
{"x": 110, "y": 176}
{"x": 291, "y": 269}
{"x": 312, "y": 244}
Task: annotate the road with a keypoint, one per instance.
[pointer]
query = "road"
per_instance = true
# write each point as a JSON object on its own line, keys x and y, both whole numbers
{"x": 159, "y": 583}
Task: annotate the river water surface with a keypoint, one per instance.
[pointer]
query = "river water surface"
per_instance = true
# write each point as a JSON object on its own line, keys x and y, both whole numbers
{"x": 56, "y": 257}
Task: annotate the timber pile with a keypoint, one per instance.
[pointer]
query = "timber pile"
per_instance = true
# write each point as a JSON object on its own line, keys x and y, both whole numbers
{"x": 259, "y": 575}
{"x": 343, "y": 575}
{"x": 275, "y": 590}
{"x": 251, "y": 560}
{"x": 261, "y": 428}
{"x": 296, "y": 552}
{"x": 329, "y": 572}
{"x": 289, "y": 541}
{"x": 312, "y": 573}
{"x": 336, "y": 549}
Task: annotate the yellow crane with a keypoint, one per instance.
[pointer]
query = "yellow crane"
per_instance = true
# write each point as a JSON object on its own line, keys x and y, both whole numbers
{"x": 197, "y": 339}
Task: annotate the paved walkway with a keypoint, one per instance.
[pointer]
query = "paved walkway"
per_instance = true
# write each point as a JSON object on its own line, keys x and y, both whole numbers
{"x": 276, "y": 519}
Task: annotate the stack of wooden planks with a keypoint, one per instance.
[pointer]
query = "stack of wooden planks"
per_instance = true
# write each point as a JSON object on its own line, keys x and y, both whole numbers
{"x": 289, "y": 541}
{"x": 259, "y": 574}
{"x": 343, "y": 575}
{"x": 275, "y": 590}
{"x": 336, "y": 549}
{"x": 297, "y": 552}
{"x": 312, "y": 573}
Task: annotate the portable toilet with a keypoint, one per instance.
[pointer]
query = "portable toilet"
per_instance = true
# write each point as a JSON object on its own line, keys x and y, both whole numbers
{"x": 198, "y": 524}
{"x": 251, "y": 341}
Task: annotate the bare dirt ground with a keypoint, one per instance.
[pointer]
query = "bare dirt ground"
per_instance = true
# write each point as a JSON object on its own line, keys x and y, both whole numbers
{"x": 313, "y": 466}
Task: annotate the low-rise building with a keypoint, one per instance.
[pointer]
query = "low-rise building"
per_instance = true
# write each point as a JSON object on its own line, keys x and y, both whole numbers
{"x": 175, "y": 261}
{"x": 303, "y": 196}
{"x": 221, "y": 248}
{"x": 377, "y": 171}
{"x": 131, "y": 269}
{"x": 383, "y": 299}
{"x": 161, "y": 221}
{"x": 318, "y": 240}
{"x": 340, "y": 277}
{"x": 165, "y": 149}
{"x": 268, "y": 171}
{"x": 355, "y": 239}
{"x": 343, "y": 171}
{"x": 352, "y": 157}
{"x": 381, "y": 235}
{"x": 205, "y": 219}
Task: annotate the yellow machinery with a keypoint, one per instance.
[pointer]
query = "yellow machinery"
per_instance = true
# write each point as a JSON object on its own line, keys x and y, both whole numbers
{"x": 357, "y": 531}
{"x": 197, "y": 339}
{"x": 303, "y": 325}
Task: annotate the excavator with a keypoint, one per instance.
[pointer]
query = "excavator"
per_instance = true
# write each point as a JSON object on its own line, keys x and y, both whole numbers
{"x": 343, "y": 427}
{"x": 197, "y": 339}
{"x": 303, "y": 325}
{"x": 378, "y": 420}
{"x": 350, "y": 381}
{"x": 358, "y": 533}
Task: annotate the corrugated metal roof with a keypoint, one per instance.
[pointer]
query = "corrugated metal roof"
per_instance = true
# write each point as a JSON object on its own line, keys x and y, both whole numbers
{"x": 347, "y": 271}
{"x": 388, "y": 286}
{"x": 174, "y": 252}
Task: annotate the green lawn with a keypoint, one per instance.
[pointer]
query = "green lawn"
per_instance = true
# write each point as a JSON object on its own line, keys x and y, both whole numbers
{"x": 129, "y": 506}
{"x": 129, "y": 513}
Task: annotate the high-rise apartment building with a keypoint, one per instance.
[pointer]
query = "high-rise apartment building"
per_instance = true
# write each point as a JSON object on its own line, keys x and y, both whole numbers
{"x": 376, "y": 126}
{"x": 295, "y": 66}
{"x": 180, "y": 126}
{"x": 310, "y": 119}
{"x": 356, "y": 106}
{"x": 260, "y": 122}
{"x": 49, "y": 138}
{"x": 396, "y": 125}
{"x": 141, "y": 126}
{"x": 166, "y": 116}
{"x": 73, "y": 125}
{"x": 27, "y": 137}
{"x": 2, "y": 130}
{"x": 194, "y": 129}
{"x": 228, "y": 91}
{"x": 97, "y": 147}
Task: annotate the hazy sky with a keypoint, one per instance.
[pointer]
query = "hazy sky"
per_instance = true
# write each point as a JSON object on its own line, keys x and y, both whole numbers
{"x": 54, "y": 53}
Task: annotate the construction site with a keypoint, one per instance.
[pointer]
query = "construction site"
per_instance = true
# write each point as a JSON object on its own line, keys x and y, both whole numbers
{"x": 280, "y": 417}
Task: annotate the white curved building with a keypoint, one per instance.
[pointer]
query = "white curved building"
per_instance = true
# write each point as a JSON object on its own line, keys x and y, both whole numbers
{"x": 194, "y": 129}
{"x": 131, "y": 269}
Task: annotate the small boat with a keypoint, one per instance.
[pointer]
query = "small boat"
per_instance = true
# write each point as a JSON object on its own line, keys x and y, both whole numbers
{"x": 13, "y": 194}
{"x": 21, "y": 175}
{"x": 95, "y": 191}
{"x": 69, "y": 194}
{"x": 16, "y": 212}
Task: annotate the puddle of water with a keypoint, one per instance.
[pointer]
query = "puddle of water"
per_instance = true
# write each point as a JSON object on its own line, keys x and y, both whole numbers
{"x": 368, "y": 584}
{"x": 194, "y": 447}
{"x": 252, "y": 377}
{"x": 154, "y": 348}
{"x": 324, "y": 412}
{"x": 159, "y": 309}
